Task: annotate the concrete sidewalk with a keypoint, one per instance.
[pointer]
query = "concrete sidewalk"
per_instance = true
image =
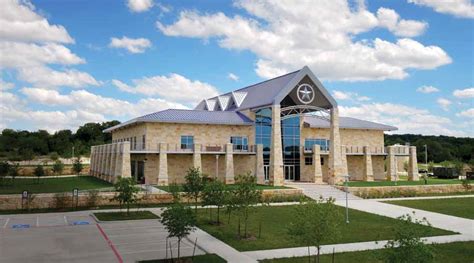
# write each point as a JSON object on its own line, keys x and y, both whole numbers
{"x": 421, "y": 198}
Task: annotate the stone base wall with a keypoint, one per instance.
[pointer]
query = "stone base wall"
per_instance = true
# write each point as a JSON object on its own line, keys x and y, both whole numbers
{"x": 403, "y": 191}
{"x": 29, "y": 170}
{"x": 43, "y": 201}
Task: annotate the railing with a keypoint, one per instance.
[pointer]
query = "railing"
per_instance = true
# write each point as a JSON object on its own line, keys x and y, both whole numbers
{"x": 182, "y": 148}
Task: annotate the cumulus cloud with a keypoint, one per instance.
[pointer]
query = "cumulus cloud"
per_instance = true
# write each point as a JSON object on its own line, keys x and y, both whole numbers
{"x": 5, "y": 85}
{"x": 344, "y": 95}
{"x": 173, "y": 87}
{"x": 458, "y": 8}
{"x": 469, "y": 113}
{"x": 233, "y": 77}
{"x": 390, "y": 19}
{"x": 427, "y": 89}
{"x": 140, "y": 5}
{"x": 133, "y": 45}
{"x": 464, "y": 93}
{"x": 406, "y": 118}
{"x": 444, "y": 103}
{"x": 319, "y": 34}
{"x": 29, "y": 45}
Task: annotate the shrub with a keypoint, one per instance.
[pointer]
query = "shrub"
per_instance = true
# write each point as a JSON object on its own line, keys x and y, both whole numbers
{"x": 246, "y": 196}
{"x": 126, "y": 192}
{"x": 194, "y": 185}
{"x": 58, "y": 167}
{"x": 77, "y": 166}
{"x": 214, "y": 194}
{"x": 62, "y": 200}
{"x": 92, "y": 198}
{"x": 39, "y": 172}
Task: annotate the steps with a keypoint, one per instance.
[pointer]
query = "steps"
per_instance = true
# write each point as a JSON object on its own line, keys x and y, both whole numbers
{"x": 314, "y": 191}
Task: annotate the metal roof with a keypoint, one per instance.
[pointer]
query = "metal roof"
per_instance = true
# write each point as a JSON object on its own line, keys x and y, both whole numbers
{"x": 348, "y": 123}
{"x": 190, "y": 116}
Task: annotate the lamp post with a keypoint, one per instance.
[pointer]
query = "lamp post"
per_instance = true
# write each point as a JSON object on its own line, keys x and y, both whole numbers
{"x": 217, "y": 166}
{"x": 347, "y": 200}
{"x": 73, "y": 152}
{"x": 426, "y": 157}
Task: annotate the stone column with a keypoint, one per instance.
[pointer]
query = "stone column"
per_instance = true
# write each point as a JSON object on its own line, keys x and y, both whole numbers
{"x": 113, "y": 158}
{"x": 259, "y": 170}
{"x": 335, "y": 167}
{"x": 91, "y": 165}
{"x": 391, "y": 164}
{"x": 197, "y": 156}
{"x": 118, "y": 160}
{"x": 95, "y": 159}
{"x": 318, "y": 171}
{"x": 102, "y": 161}
{"x": 413, "y": 165}
{"x": 276, "y": 155}
{"x": 344, "y": 168}
{"x": 368, "y": 168}
{"x": 126, "y": 167}
{"x": 229, "y": 164}
{"x": 163, "y": 168}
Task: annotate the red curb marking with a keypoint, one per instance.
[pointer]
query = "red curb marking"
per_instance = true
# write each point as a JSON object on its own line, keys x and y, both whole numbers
{"x": 120, "y": 260}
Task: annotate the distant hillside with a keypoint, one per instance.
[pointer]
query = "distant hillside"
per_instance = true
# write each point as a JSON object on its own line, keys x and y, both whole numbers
{"x": 440, "y": 148}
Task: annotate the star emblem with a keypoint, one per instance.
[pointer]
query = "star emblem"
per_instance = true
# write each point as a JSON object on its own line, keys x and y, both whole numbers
{"x": 305, "y": 93}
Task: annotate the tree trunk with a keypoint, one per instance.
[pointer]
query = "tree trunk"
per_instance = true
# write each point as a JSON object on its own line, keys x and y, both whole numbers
{"x": 318, "y": 258}
{"x": 128, "y": 209}
{"x": 179, "y": 247}
{"x": 218, "y": 222}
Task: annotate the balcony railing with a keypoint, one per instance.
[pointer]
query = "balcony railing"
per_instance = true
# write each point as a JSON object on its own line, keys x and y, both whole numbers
{"x": 182, "y": 148}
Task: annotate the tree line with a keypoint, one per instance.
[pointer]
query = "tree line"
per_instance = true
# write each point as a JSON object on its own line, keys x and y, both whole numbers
{"x": 18, "y": 145}
{"x": 440, "y": 148}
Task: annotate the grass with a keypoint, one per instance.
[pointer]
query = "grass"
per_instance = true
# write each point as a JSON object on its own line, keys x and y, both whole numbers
{"x": 363, "y": 227}
{"x": 207, "y": 258}
{"x": 228, "y": 187}
{"x": 120, "y": 216}
{"x": 458, "y": 252}
{"x": 431, "y": 181}
{"x": 53, "y": 185}
{"x": 461, "y": 207}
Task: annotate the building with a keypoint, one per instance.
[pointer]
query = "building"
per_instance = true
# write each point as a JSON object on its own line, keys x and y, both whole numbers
{"x": 284, "y": 129}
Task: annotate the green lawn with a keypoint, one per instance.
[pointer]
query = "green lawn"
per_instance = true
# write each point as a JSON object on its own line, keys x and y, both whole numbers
{"x": 462, "y": 207}
{"x": 53, "y": 185}
{"x": 208, "y": 258}
{"x": 458, "y": 252}
{"x": 120, "y": 216}
{"x": 431, "y": 181}
{"x": 228, "y": 187}
{"x": 363, "y": 227}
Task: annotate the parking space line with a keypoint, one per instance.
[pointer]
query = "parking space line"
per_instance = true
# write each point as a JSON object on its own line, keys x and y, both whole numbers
{"x": 37, "y": 221}
{"x": 120, "y": 260}
{"x": 6, "y": 223}
{"x": 65, "y": 220}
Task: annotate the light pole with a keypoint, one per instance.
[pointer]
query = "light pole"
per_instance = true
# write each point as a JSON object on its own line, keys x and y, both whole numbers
{"x": 73, "y": 152}
{"x": 347, "y": 201}
{"x": 217, "y": 166}
{"x": 426, "y": 157}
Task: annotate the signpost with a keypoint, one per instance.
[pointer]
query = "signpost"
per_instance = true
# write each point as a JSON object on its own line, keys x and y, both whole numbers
{"x": 24, "y": 199}
{"x": 75, "y": 197}
{"x": 347, "y": 201}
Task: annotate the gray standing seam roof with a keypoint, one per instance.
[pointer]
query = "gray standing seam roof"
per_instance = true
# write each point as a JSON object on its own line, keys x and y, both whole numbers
{"x": 348, "y": 123}
{"x": 190, "y": 116}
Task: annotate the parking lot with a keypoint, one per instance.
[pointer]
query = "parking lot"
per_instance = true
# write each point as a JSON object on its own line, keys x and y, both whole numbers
{"x": 77, "y": 237}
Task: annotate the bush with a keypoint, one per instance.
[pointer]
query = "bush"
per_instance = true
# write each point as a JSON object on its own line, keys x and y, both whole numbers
{"x": 92, "y": 198}
{"x": 62, "y": 200}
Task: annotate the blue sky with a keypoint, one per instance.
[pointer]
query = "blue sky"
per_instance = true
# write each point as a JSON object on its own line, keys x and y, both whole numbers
{"x": 406, "y": 63}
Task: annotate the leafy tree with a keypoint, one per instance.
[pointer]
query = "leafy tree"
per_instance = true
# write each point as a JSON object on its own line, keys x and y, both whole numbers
{"x": 54, "y": 156}
{"x": 179, "y": 221}
{"x": 126, "y": 192}
{"x": 246, "y": 196}
{"x": 39, "y": 171}
{"x": 407, "y": 245}
{"x": 14, "y": 171}
{"x": 214, "y": 194}
{"x": 58, "y": 167}
{"x": 430, "y": 167}
{"x": 315, "y": 223}
{"x": 194, "y": 185}
{"x": 4, "y": 170}
{"x": 77, "y": 166}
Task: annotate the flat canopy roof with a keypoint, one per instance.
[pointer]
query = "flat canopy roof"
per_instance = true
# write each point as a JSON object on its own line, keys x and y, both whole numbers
{"x": 348, "y": 123}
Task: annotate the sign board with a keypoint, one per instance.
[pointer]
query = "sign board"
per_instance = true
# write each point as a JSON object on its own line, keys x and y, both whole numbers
{"x": 75, "y": 192}
{"x": 24, "y": 194}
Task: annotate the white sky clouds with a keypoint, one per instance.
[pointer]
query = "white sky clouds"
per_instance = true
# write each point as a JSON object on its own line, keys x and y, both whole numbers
{"x": 469, "y": 113}
{"x": 233, "y": 77}
{"x": 133, "y": 45}
{"x": 464, "y": 93}
{"x": 444, "y": 103}
{"x": 343, "y": 95}
{"x": 319, "y": 34}
{"x": 427, "y": 89}
{"x": 140, "y": 5}
{"x": 173, "y": 87}
{"x": 459, "y": 8}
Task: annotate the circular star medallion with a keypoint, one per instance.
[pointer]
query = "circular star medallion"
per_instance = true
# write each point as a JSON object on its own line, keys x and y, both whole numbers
{"x": 305, "y": 93}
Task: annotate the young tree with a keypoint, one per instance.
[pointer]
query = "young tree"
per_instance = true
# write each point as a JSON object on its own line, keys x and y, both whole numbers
{"x": 246, "y": 196}
{"x": 39, "y": 171}
{"x": 315, "y": 223}
{"x": 4, "y": 170}
{"x": 179, "y": 221}
{"x": 126, "y": 192}
{"x": 77, "y": 166}
{"x": 58, "y": 167}
{"x": 407, "y": 245}
{"x": 14, "y": 171}
{"x": 214, "y": 194}
{"x": 194, "y": 185}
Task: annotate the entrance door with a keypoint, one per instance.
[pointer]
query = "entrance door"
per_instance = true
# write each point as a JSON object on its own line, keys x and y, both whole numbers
{"x": 266, "y": 172}
{"x": 289, "y": 172}
{"x": 140, "y": 172}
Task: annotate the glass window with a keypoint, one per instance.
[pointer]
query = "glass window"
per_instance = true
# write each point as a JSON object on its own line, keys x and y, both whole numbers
{"x": 308, "y": 144}
{"x": 187, "y": 142}
{"x": 239, "y": 143}
{"x": 143, "y": 142}
{"x": 308, "y": 160}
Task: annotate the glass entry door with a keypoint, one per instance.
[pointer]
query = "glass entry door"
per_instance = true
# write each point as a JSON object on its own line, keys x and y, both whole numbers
{"x": 289, "y": 172}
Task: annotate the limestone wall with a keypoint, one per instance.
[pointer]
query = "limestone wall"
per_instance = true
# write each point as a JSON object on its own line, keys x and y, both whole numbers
{"x": 395, "y": 191}
{"x": 351, "y": 137}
